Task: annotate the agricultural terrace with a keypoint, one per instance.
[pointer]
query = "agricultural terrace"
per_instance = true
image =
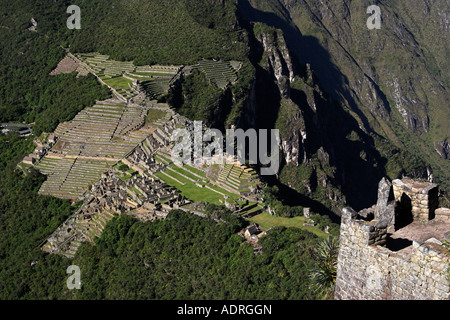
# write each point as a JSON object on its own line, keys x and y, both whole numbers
{"x": 195, "y": 185}
{"x": 128, "y": 79}
{"x": 70, "y": 177}
{"x": 87, "y": 146}
{"x": 219, "y": 73}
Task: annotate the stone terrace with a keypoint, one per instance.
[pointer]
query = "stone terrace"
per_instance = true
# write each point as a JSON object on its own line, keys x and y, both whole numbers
{"x": 380, "y": 258}
{"x": 235, "y": 178}
{"x": 66, "y": 65}
{"x": 70, "y": 177}
{"x": 87, "y": 146}
{"x": 104, "y": 130}
{"x": 220, "y": 73}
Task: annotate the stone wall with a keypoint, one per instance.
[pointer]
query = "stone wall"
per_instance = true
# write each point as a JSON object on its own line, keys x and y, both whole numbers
{"x": 384, "y": 255}
{"x": 369, "y": 271}
{"x": 442, "y": 214}
{"x": 422, "y": 195}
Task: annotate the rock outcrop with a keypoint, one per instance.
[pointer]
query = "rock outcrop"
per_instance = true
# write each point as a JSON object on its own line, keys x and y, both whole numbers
{"x": 385, "y": 207}
{"x": 278, "y": 59}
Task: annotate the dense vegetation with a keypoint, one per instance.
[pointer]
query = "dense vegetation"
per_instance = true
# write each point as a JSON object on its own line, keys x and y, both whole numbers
{"x": 26, "y": 219}
{"x": 204, "y": 29}
{"x": 27, "y": 92}
{"x": 197, "y": 99}
{"x": 183, "y": 257}
{"x": 156, "y": 32}
{"x": 188, "y": 257}
{"x": 64, "y": 98}
{"x": 277, "y": 202}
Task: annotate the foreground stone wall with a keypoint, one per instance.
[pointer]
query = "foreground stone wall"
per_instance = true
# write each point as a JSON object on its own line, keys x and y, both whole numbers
{"x": 369, "y": 271}
{"x": 423, "y": 197}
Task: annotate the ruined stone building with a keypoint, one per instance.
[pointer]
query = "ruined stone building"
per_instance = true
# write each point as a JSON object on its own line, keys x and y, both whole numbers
{"x": 395, "y": 250}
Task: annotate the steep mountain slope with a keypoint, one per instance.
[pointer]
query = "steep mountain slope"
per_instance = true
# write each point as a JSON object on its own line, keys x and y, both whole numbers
{"x": 392, "y": 81}
{"x": 352, "y": 104}
{"x": 147, "y": 32}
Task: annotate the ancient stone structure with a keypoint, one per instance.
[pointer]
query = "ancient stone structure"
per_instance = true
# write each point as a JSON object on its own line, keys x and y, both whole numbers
{"x": 66, "y": 65}
{"x": 382, "y": 259}
{"x": 421, "y": 196}
{"x": 28, "y": 160}
{"x": 109, "y": 158}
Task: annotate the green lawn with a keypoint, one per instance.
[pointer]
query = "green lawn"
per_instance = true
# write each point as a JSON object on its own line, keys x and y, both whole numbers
{"x": 161, "y": 159}
{"x": 139, "y": 78}
{"x": 250, "y": 207}
{"x": 266, "y": 221}
{"x": 155, "y": 74}
{"x": 187, "y": 174}
{"x": 154, "y": 115}
{"x": 119, "y": 82}
{"x": 195, "y": 193}
{"x": 195, "y": 170}
{"x": 226, "y": 192}
{"x": 124, "y": 177}
{"x": 190, "y": 190}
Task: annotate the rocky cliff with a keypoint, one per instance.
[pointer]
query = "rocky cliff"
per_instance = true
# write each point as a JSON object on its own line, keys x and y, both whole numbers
{"x": 350, "y": 101}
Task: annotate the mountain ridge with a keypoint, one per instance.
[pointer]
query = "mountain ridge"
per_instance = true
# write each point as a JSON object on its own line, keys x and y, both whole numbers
{"x": 384, "y": 107}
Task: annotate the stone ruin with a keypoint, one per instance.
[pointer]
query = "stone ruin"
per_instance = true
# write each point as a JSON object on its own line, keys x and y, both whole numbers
{"x": 32, "y": 25}
{"x": 396, "y": 249}
{"x": 143, "y": 197}
{"x": 107, "y": 133}
{"x": 252, "y": 234}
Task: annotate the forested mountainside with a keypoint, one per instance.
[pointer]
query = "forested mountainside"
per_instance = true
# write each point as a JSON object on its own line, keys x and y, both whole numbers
{"x": 350, "y": 102}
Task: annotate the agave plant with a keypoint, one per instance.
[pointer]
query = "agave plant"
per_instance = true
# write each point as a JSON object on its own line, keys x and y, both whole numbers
{"x": 323, "y": 275}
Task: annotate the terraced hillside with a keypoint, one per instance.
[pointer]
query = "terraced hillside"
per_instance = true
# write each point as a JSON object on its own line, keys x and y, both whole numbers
{"x": 70, "y": 177}
{"x": 128, "y": 79}
{"x": 104, "y": 130}
{"x": 236, "y": 178}
{"x": 219, "y": 73}
{"x": 101, "y": 135}
{"x": 87, "y": 146}
{"x": 104, "y": 67}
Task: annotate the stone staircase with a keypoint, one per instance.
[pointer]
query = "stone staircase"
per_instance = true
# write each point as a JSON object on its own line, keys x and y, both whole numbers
{"x": 235, "y": 178}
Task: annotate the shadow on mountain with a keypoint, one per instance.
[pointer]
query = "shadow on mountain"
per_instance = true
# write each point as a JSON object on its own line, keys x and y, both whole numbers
{"x": 293, "y": 198}
{"x": 359, "y": 166}
{"x": 307, "y": 50}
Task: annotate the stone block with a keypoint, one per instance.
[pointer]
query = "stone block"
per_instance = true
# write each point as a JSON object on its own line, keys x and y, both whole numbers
{"x": 437, "y": 266}
{"x": 416, "y": 209}
{"x": 442, "y": 212}
{"x": 422, "y": 197}
{"x": 443, "y": 287}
